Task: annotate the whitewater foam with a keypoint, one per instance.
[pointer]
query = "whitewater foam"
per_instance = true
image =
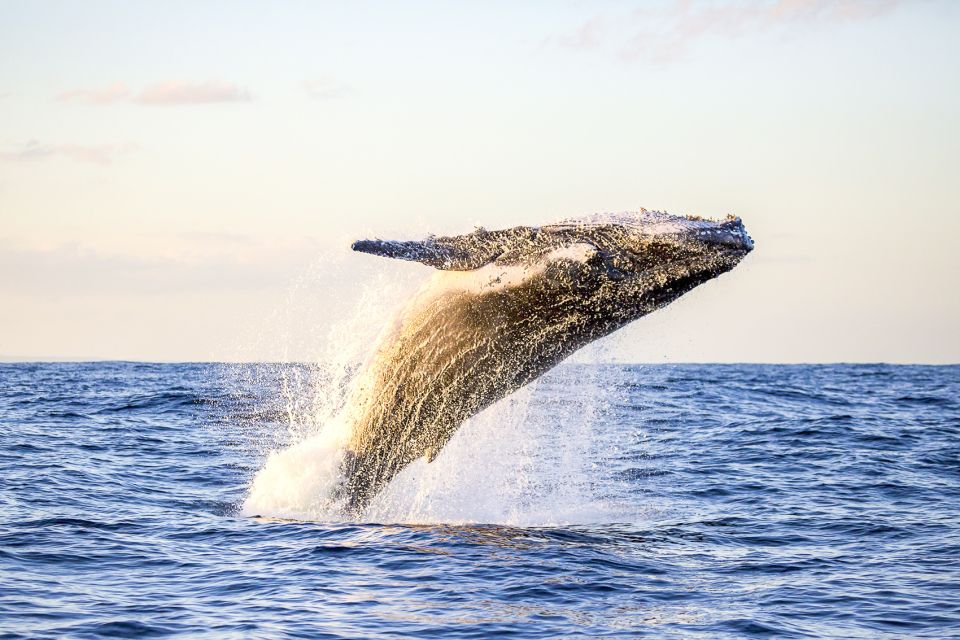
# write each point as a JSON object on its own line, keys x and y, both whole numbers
{"x": 526, "y": 460}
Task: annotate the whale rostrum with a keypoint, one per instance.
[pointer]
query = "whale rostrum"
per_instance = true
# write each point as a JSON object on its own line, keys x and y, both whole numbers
{"x": 505, "y": 307}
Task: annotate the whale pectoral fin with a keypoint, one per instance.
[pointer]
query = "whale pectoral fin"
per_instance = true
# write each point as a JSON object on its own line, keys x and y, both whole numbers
{"x": 456, "y": 253}
{"x": 429, "y": 252}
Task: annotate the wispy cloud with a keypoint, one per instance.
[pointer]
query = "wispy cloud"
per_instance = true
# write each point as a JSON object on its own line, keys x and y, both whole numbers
{"x": 668, "y": 32}
{"x": 167, "y": 93}
{"x": 162, "y": 263}
{"x": 102, "y": 154}
{"x": 177, "y": 92}
{"x": 29, "y": 151}
{"x": 326, "y": 88}
{"x": 588, "y": 35}
{"x": 112, "y": 94}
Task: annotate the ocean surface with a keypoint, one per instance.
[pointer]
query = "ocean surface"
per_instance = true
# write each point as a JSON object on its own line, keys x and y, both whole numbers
{"x": 674, "y": 501}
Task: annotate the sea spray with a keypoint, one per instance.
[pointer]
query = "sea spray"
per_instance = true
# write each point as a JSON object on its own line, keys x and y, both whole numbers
{"x": 529, "y": 459}
{"x": 296, "y": 482}
{"x": 535, "y": 458}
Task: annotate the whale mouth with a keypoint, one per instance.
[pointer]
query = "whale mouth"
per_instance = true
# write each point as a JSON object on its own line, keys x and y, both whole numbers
{"x": 730, "y": 233}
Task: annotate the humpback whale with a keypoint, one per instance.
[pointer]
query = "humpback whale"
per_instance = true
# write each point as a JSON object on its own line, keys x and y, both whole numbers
{"x": 503, "y": 308}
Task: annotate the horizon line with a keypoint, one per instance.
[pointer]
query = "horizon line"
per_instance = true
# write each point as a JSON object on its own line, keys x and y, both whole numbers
{"x": 91, "y": 360}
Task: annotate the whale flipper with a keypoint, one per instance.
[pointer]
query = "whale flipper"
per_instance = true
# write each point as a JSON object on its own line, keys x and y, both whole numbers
{"x": 454, "y": 253}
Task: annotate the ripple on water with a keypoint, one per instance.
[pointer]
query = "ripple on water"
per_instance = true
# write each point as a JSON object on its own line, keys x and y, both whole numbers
{"x": 679, "y": 501}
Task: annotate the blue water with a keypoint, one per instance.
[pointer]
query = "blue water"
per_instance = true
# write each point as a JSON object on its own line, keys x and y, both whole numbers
{"x": 717, "y": 501}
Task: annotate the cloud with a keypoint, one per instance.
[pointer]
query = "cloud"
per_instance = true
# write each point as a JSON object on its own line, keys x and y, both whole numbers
{"x": 177, "y": 92}
{"x": 588, "y": 35}
{"x": 98, "y": 154}
{"x": 155, "y": 264}
{"x": 29, "y": 151}
{"x": 326, "y": 88}
{"x": 667, "y": 32}
{"x": 167, "y": 93}
{"x": 102, "y": 154}
{"x": 112, "y": 94}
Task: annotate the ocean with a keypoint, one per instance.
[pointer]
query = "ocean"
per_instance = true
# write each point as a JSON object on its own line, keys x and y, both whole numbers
{"x": 669, "y": 501}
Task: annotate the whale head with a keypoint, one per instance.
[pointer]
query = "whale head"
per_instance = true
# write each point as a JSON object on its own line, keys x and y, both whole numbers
{"x": 645, "y": 260}
{"x": 622, "y": 265}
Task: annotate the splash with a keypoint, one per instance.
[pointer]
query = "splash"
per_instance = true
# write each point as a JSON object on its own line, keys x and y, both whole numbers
{"x": 549, "y": 292}
{"x": 530, "y": 459}
{"x": 504, "y": 309}
{"x": 515, "y": 463}
{"x": 297, "y": 482}
{"x": 525, "y": 461}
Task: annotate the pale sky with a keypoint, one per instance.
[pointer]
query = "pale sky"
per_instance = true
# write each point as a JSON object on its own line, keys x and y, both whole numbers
{"x": 181, "y": 180}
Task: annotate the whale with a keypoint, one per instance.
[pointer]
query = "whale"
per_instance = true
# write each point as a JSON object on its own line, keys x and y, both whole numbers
{"x": 502, "y": 308}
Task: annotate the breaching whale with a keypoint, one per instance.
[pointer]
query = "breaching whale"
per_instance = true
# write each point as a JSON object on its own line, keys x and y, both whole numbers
{"x": 505, "y": 307}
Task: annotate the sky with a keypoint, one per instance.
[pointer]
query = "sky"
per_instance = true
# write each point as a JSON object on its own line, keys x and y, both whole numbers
{"x": 182, "y": 180}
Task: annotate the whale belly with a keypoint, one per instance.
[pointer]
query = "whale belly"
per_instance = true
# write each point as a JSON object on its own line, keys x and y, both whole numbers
{"x": 453, "y": 354}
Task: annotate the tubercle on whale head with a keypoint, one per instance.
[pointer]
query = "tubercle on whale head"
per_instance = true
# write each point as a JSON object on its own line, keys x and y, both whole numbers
{"x": 729, "y": 233}
{"x": 637, "y": 244}
{"x": 651, "y": 225}
{"x": 647, "y": 259}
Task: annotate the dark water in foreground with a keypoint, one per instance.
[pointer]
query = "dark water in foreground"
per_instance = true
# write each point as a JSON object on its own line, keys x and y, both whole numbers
{"x": 795, "y": 501}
